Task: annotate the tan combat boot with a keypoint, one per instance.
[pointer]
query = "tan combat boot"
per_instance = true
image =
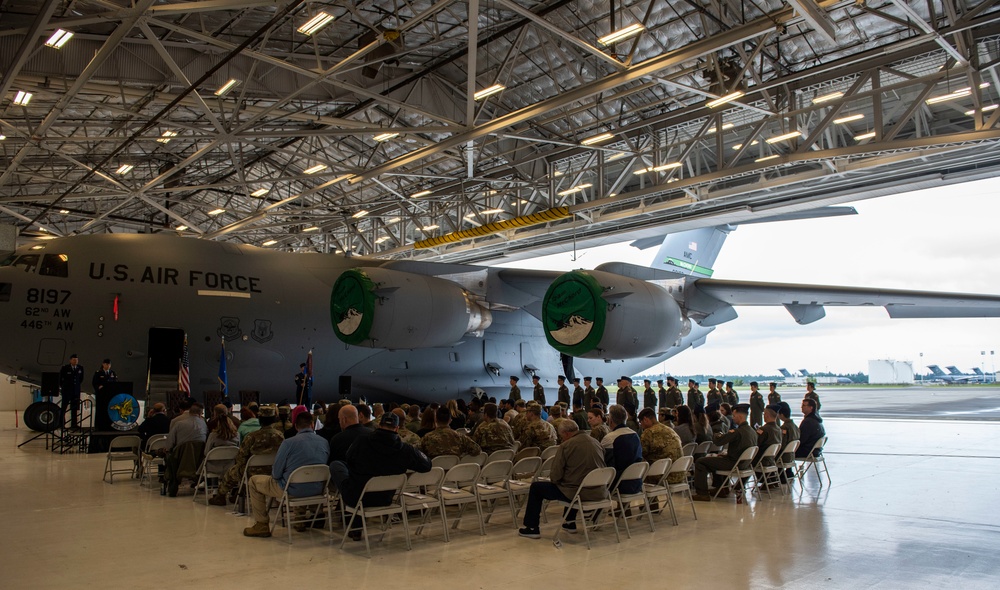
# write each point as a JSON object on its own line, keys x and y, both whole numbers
{"x": 259, "y": 529}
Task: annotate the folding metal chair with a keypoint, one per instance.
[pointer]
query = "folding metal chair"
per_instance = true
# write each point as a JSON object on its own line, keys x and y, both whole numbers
{"x": 740, "y": 474}
{"x": 682, "y": 465}
{"x": 657, "y": 472}
{"x": 786, "y": 463}
{"x": 287, "y": 504}
{"x": 214, "y": 465}
{"x": 121, "y": 449}
{"x": 445, "y": 462}
{"x": 265, "y": 460}
{"x": 549, "y": 452}
{"x": 479, "y": 459}
{"x": 423, "y": 492}
{"x": 500, "y": 455}
{"x": 526, "y": 452}
{"x": 463, "y": 475}
{"x": 491, "y": 486}
{"x": 811, "y": 460}
{"x": 595, "y": 480}
{"x": 382, "y": 483}
{"x": 634, "y": 472}
{"x": 766, "y": 470}
{"x": 150, "y": 460}
{"x": 519, "y": 483}
{"x": 688, "y": 449}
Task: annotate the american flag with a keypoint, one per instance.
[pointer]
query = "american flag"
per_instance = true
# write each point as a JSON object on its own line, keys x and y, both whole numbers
{"x": 184, "y": 377}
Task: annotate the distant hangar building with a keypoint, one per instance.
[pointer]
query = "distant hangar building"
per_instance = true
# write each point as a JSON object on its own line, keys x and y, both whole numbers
{"x": 890, "y": 372}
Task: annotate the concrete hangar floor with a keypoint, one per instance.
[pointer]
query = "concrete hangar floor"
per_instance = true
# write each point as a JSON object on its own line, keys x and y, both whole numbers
{"x": 912, "y": 505}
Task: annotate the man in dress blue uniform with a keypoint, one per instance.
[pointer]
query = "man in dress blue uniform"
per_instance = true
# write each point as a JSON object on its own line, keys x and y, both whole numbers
{"x": 70, "y": 382}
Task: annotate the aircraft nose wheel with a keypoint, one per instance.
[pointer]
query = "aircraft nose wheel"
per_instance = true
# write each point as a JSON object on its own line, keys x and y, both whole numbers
{"x": 43, "y": 416}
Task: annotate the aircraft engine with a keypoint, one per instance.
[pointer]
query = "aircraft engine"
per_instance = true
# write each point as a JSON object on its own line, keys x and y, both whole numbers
{"x": 390, "y": 309}
{"x": 595, "y": 314}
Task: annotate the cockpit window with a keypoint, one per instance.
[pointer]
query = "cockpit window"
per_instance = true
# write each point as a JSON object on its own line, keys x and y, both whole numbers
{"x": 9, "y": 260}
{"x": 54, "y": 265}
{"x": 27, "y": 262}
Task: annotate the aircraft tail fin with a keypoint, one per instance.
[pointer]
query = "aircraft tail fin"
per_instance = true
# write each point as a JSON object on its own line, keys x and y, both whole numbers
{"x": 784, "y": 372}
{"x": 803, "y": 372}
{"x": 692, "y": 252}
{"x": 935, "y": 369}
{"x": 953, "y": 370}
{"x": 977, "y": 370}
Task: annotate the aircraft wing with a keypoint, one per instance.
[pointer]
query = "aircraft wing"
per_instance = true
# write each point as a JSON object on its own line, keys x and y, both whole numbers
{"x": 806, "y": 303}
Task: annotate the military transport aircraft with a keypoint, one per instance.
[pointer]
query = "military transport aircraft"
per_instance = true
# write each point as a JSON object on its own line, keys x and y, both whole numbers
{"x": 381, "y": 329}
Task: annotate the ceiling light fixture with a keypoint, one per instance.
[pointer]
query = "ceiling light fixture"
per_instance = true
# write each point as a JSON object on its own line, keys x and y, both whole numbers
{"x": 382, "y": 239}
{"x": 124, "y": 169}
{"x": 312, "y": 228}
{"x": 360, "y": 214}
{"x": 428, "y": 228}
{"x": 724, "y": 99}
{"x": 316, "y": 23}
{"x": 669, "y": 166}
{"x": 848, "y": 119}
{"x": 417, "y": 195}
{"x": 827, "y": 97}
{"x": 181, "y": 227}
{"x": 622, "y": 34}
{"x": 393, "y": 220}
{"x": 491, "y": 211}
{"x": 64, "y": 211}
{"x": 766, "y": 158}
{"x": 59, "y": 38}
{"x": 270, "y": 243}
{"x": 617, "y": 156}
{"x": 167, "y": 136}
{"x": 385, "y": 137}
{"x": 2, "y": 137}
{"x": 725, "y": 126}
{"x": 488, "y": 91}
{"x": 952, "y": 96}
{"x": 22, "y": 98}
{"x": 232, "y": 83}
{"x": 574, "y": 189}
{"x": 985, "y": 109}
{"x": 597, "y": 139}
{"x": 740, "y": 145}
{"x": 215, "y": 212}
{"x": 314, "y": 169}
{"x": 864, "y": 136}
{"x": 783, "y": 137}
{"x": 260, "y": 192}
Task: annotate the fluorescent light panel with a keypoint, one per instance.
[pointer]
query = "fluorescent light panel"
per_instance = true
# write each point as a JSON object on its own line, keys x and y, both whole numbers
{"x": 393, "y": 220}
{"x": 417, "y": 195}
{"x": 270, "y": 243}
{"x": 724, "y": 99}
{"x": 124, "y": 169}
{"x": 766, "y": 158}
{"x": 232, "y": 83}
{"x": 314, "y": 169}
{"x": 382, "y": 239}
{"x": 574, "y": 189}
{"x": 313, "y": 228}
{"x": 385, "y": 137}
{"x": 260, "y": 192}
{"x": 215, "y": 212}
{"x": 181, "y": 227}
{"x": 59, "y": 38}
{"x": 166, "y": 136}
{"x": 597, "y": 139}
{"x": 428, "y": 228}
{"x": 740, "y": 145}
{"x": 64, "y": 211}
{"x": 491, "y": 211}
{"x": 316, "y": 23}
{"x": 985, "y": 109}
{"x": 622, "y": 34}
{"x": 783, "y": 137}
{"x": 725, "y": 126}
{"x": 488, "y": 91}
{"x": 360, "y": 214}
{"x": 848, "y": 119}
{"x": 617, "y": 156}
{"x": 827, "y": 97}
{"x": 952, "y": 96}
{"x": 864, "y": 136}
{"x": 22, "y": 98}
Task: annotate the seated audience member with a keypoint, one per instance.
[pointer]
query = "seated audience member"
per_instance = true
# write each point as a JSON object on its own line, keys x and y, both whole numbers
{"x": 412, "y": 418}
{"x": 186, "y": 444}
{"x": 377, "y": 411}
{"x": 445, "y": 441}
{"x": 457, "y": 417}
{"x": 365, "y": 416}
{"x": 767, "y": 435}
{"x": 789, "y": 432}
{"x": 810, "y": 429}
{"x": 700, "y": 426}
{"x": 350, "y": 431}
{"x": 493, "y": 434}
{"x": 382, "y": 453}
{"x": 579, "y": 415}
{"x": 659, "y": 442}
{"x": 331, "y": 427}
{"x": 578, "y": 455}
{"x": 223, "y": 433}
{"x": 284, "y": 421}
{"x": 296, "y": 412}
{"x": 263, "y": 441}
{"x": 251, "y": 421}
{"x": 555, "y": 413}
{"x": 726, "y": 413}
{"x": 475, "y": 411}
{"x": 426, "y": 421}
{"x": 535, "y": 431}
{"x": 598, "y": 429}
{"x": 156, "y": 423}
{"x": 622, "y": 447}
{"x": 718, "y": 424}
{"x": 684, "y": 427}
{"x": 305, "y": 448}
{"x": 739, "y": 440}
{"x": 405, "y": 435}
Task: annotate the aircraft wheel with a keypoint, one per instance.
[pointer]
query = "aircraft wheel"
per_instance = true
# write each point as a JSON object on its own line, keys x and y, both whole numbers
{"x": 42, "y": 416}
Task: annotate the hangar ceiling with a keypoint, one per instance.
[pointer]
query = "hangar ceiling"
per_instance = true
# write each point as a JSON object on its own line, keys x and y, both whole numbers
{"x": 369, "y": 135}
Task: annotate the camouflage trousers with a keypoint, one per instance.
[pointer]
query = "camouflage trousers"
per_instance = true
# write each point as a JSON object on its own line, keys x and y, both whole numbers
{"x": 231, "y": 480}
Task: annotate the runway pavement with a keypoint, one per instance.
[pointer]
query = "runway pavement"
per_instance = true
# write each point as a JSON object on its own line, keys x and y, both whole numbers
{"x": 934, "y": 402}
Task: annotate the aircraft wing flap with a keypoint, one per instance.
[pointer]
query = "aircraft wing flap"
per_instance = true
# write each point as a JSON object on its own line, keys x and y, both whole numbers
{"x": 898, "y": 303}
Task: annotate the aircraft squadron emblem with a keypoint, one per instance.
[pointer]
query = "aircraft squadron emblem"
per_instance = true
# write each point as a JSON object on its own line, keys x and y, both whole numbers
{"x": 262, "y": 331}
{"x": 229, "y": 328}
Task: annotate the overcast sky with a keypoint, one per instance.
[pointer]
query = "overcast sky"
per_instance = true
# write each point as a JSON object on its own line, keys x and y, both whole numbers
{"x": 944, "y": 239}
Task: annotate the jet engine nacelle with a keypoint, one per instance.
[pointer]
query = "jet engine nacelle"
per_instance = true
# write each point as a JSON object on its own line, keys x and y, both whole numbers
{"x": 390, "y": 309}
{"x": 595, "y": 314}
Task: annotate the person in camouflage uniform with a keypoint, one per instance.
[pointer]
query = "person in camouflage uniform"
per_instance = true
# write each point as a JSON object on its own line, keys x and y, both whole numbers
{"x": 445, "y": 441}
{"x": 407, "y": 436}
{"x": 648, "y": 397}
{"x": 659, "y": 442}
{"x": 515, "y": 391}
{"x": 563, "y": 394}
{"x": 674, "y": 396}
{"x": 773, "y": 397}
{"x": 602, "y": 393}
{"x": 598, "y": 428}
{"x": 537, "y": 432}
{"x": 492, "y": 434}
{"x": 259, "y": 442}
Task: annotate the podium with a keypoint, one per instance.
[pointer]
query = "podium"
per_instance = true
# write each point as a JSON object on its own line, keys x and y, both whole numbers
{"x": 116, "y": 412}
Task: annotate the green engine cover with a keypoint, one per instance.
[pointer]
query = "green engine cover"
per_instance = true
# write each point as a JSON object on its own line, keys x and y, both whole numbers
{"x": 574, "y": 313}
{"x": 352, "y": 306}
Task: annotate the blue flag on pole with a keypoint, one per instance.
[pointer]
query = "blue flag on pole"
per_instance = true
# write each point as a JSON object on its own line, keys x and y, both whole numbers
{"x": 223, "y": 379}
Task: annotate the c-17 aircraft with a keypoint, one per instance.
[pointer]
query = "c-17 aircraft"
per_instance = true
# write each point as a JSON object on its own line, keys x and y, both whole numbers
{"x": 953, "y": 375}
{"x": 381, "y": 329}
